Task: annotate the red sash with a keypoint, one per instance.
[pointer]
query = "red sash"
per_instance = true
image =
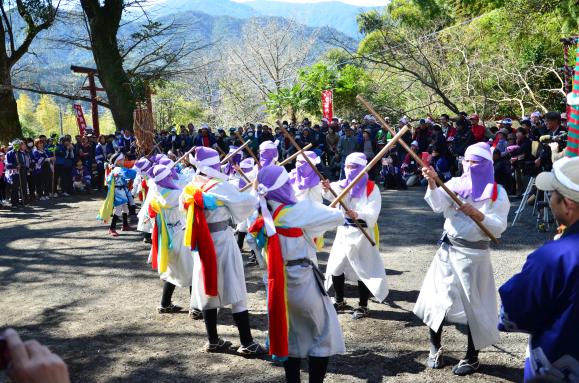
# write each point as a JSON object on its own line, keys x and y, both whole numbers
{"x": 276, "y": 286}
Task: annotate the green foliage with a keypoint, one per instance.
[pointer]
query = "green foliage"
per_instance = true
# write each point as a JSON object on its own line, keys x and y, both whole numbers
{"x": 346, "y": 83}
{"x": 47, "y": 114}
{"x": 488, "y": 56}
{"x": 27, "y": 115}
{"x": 173, "y": 107}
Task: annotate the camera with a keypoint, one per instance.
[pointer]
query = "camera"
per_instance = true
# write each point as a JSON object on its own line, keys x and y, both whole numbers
{"x": 560, "y": 138}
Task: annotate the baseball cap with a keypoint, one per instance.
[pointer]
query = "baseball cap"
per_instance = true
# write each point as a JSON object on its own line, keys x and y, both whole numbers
{"x": 564, "y": 178}
{"x": 474, "y": 117}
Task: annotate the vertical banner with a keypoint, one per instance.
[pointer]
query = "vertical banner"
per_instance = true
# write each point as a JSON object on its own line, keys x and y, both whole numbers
{"x": 328, "y": 104}
{"x": 80, "y": 121}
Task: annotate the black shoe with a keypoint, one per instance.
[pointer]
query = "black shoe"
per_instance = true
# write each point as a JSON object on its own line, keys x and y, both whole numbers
{"x": 252, "y": 260}
{"x": 360, "y": 312}
{"x": 221, "y": 345}
{"x": 466, "y": 367}
{"x": 169, "y": 309}
{"x": 340, "y": 306}
{"x": 147, "y": 240}
{"x": 195, "y": 314}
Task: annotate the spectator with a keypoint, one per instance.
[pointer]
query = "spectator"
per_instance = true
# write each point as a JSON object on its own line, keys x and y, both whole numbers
{"x": 81, "y": 179}
{"x": 222, "y": 140}
{"x": 422, "y": 136}
{"x": 100, "y": 158}
{"x": 347, "y": 145}
{"x": 521, "y": 158}
{"x": 205, "y": 138}
{"x": 15, "y": 173}
{"x": 368, "y": 147}
{"x": 462, "y": 139}
{"x": 448, "y": 130}
{"x": 42, "y": 170}
{"x": 67, "y": 163}
{"x": 85, "y": 152}
{"x": 3, "y": 201}
{"x": 266, "y": 135}
{"x": 478, "y": 131}
{"x": 503, "y": 171}
{"x": 410, "y": 171}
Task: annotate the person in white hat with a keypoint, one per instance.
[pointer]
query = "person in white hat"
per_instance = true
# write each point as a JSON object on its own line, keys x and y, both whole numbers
{"x": 459, "y": 286}
{"x": 543, "y": 299}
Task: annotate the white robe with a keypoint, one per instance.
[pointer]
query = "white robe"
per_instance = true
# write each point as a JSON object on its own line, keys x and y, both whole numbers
{"x": 145, "y": 223}
{"x": 314, "y": 194}
{"x": 459, "y": 284}
{"x": 230, "y": 275}
{"x": 352, "y": 254}
{"x": 180, "y": 267}
{"x": 314, "y": 329}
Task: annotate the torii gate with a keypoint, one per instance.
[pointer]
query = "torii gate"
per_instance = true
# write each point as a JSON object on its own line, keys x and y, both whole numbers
{"x": 93, "y": 89}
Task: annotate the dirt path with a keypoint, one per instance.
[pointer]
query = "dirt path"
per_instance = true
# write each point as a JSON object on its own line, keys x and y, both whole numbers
{"x": 93, "y": 300}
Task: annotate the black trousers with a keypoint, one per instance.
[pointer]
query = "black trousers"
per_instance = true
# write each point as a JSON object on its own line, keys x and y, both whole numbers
{"x": 44, "y": 181}
{"x": 436, "y": 342}
{"x": 317, "y": 369}
{"x": 363, "y": 292}
{"x": 16, "y": 189}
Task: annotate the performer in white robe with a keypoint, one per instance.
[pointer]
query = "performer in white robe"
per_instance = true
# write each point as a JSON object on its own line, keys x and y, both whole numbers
{"x": 248, "y": 168}
{"x": 305, "y": 181}
{"x": 307, "y": 326}
{"x": 352, "y": 256}
{"x": 459, "y": 285}
{"x": 222, "y": 202}
{"x": 168, "y": 254}
{"x": 144, "y": 168}
{"x": 268, "y": 153}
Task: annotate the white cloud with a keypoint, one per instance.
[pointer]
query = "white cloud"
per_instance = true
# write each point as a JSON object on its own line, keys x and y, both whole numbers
{"x": 360, "y": 3}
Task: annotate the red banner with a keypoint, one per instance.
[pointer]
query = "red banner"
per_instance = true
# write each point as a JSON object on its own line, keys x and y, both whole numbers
{"x": 80, "y": 121}
{"x": 328, "y": 104}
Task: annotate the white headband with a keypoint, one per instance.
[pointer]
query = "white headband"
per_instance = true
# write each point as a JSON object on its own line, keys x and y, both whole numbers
{"x": 316, "y": 160}
{"x": 356, "y": 160}
{"x": 269, "y": 145}
{"x": 478, "y": 151}
{"x": 203, "y": 167}
{"x": 561, "y": 177}
{"x": 262, "y": 190}
{"x": 164, "y": 174}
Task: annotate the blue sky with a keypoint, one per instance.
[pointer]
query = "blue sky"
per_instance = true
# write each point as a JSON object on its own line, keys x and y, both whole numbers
{"x": 361, "y": 3}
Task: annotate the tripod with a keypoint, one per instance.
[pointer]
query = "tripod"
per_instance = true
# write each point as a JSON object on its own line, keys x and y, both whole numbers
{"x": 524, "y": 200}
{"x": 540, "y": 207}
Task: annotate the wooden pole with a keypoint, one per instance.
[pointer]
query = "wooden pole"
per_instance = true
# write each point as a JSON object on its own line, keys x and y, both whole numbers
{"x": 183, "y": 156}
{"x": 421, "y": 163}
{"x": 284, "y": 162}
{"x": 94, "y": 104}
{"x": 315, "y": 169}
{"x": 251, "y": 153}
{"x": 230, "y": 155}
{"x": 242, "y": 174}
{"x": 370, "y": 165}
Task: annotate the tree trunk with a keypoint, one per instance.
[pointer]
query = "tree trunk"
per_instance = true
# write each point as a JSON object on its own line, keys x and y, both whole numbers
{"x": 103, "y": 30}
{"x": 9, "y": 123}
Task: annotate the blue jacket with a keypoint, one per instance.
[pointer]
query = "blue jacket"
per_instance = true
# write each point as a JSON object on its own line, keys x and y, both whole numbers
{"x": 60, "y": 153}
{"x": 543, "y": 301}
{"x": 39, "y": 159}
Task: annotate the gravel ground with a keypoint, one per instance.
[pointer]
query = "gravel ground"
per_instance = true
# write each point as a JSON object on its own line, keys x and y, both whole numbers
{"x": 92, "y": 299}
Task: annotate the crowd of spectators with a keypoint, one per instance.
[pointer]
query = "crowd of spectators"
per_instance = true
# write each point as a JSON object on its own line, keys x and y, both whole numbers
{"x": 35, "y": 169}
